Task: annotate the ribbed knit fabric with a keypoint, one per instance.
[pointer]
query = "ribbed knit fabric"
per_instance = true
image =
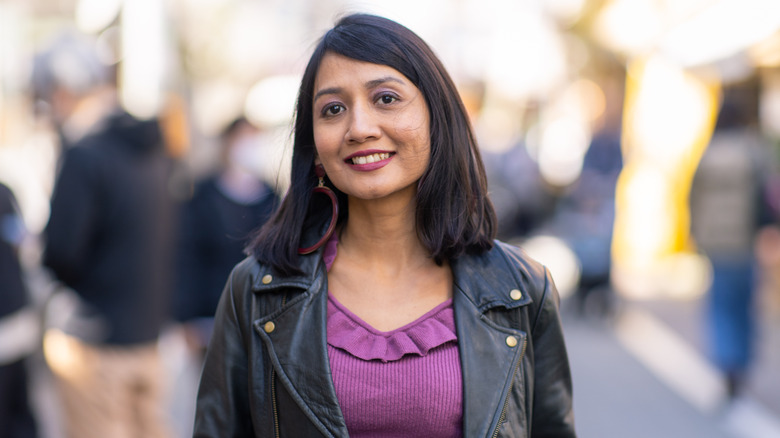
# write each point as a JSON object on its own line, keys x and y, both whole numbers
{"x": 402, "y": 383}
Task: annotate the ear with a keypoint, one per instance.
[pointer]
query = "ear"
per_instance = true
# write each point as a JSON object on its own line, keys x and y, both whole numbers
{"x": 317, "y": 160}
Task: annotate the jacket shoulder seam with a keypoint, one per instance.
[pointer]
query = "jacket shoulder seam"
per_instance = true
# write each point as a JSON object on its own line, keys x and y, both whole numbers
{"x": 543, "y": 300}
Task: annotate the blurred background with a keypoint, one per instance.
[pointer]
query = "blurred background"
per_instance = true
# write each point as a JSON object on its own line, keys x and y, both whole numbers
{"x": 595, "y": 117}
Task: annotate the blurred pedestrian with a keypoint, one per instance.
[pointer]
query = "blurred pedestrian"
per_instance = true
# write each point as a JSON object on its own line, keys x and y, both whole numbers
{"x": 728, "y": 209}
{"x": 108, "y": 239}
{"x": 17, "y": 321}
{"x": 216, "y": 225}
{"x": 587, "y": 216}
{"x": 376, "y": 301}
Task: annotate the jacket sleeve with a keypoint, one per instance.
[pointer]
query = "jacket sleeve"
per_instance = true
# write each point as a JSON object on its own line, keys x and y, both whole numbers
{"x": 223, "y": 397}
{"x": 553, "y": 416}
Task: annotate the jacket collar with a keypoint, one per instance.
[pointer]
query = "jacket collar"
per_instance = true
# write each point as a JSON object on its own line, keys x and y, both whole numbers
{"x": 268, "y": 279}
{"x": 309, "y": 265}
{"x": 488, "y": 280}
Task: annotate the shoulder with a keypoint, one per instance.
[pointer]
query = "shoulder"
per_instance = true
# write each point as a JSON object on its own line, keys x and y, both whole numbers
{"x": 6, "y": 198}
{"x": 207, "y": 183}
{"x": 531, "y": 271}
{"x": 257, "y": 278}
{"x": 79, "y": 162}
{"x": 254, "y": 289}
{"x": 237, "y": 295}
{"x": 80, "y": 151}
{"x": 534, "y": 281}
{"x": 11, "y": 225}
{"x": 491, "y": 278}
{"x": 245, "y": 275}
{"x": 204, "y": 188}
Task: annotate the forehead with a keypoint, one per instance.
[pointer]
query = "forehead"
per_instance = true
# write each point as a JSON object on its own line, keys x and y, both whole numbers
{"x": 339, "y": 71}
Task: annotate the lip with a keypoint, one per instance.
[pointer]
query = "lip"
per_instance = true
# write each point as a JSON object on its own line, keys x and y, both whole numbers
{"x": 369, "y": 166}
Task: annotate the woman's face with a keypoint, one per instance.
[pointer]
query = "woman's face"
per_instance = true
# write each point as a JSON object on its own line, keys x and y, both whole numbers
{"x": 371, "y": 128}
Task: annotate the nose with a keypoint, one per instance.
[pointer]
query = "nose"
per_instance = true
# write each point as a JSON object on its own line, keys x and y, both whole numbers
{"x": 363, "y": 126}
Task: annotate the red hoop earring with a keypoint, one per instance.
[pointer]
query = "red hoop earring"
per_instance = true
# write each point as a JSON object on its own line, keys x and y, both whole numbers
{"x": 322, "y": 188}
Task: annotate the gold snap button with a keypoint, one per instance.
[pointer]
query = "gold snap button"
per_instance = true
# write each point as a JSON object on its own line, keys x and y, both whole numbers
{"x": 515, "y": 294}
{"x": 267, "y": 278}
{"x": 270, "y": 326}
{"x": 511, "y": 341}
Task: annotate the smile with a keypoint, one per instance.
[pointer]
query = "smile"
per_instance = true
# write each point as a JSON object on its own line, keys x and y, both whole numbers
{"x": 368, "y": 159}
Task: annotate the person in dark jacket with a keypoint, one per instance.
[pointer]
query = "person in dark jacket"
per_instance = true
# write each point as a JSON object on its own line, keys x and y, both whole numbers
{"x": 216, "y": 224}
{"x": 109, "y": 239}
{"x": 376, "y": 301}
{"x": 17, "y": 321}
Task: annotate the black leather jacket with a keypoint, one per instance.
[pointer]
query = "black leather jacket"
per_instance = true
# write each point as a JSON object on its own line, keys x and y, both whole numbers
{"x": 267, "y": 372}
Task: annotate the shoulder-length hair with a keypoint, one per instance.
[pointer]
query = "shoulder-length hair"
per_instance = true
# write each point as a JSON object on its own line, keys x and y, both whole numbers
{"x": 454, "y": 214}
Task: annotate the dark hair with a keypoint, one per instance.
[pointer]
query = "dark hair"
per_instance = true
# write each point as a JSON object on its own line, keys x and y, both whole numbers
{"x": 454, "y": 214}
{"x": 233, "y": 127}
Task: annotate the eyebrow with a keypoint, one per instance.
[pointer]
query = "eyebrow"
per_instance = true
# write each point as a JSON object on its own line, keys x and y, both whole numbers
{"x": 368, "y": 85}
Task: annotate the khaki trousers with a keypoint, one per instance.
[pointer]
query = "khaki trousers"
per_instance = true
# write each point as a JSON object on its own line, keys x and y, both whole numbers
{"x": 108, "y": 391}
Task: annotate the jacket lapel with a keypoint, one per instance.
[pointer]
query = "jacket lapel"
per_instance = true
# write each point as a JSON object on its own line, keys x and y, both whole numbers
{"x": 487, "y": 357}
{"x": 490, "y": 365}
{"x": 297, "y": 344}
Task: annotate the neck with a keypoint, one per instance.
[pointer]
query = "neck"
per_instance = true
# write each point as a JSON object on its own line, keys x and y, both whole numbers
{"x": 382, "y": 272}
{"x": 383, "y": 232}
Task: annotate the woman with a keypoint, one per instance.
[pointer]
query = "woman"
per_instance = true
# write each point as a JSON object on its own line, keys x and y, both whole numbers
{"x": 216, "y": 222}
{"x": 409, "y": 320}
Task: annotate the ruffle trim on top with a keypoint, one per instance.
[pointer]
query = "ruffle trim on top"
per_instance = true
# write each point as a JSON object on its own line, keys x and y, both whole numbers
{"x": 346, "y": 331}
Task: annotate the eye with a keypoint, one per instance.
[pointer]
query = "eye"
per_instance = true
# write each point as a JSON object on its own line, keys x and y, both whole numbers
{"x": 387, "y": 98}
{"x": 332, "y": 109}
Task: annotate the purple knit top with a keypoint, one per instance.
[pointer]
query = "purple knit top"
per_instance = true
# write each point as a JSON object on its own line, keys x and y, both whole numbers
{"x": 405, "y": 382}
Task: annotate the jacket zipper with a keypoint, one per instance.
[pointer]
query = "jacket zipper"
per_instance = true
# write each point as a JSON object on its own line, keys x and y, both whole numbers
{"x": 273, "y": 389}
{"x": 273, "y": 402}
{"x": 502, "y": 418}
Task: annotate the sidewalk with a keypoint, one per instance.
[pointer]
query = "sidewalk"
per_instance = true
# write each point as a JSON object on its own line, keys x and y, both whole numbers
{"x": 637, "y": 377}
{"x": 687, "y": 319}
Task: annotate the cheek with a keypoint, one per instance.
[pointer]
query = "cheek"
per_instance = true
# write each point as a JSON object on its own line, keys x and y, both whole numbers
{"x": 415, "y": 126}
{"x": 324, "y": 142}
{"x": 419, "y": 135}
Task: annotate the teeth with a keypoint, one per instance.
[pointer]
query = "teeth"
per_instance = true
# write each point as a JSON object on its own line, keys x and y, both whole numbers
{"x": 370, "y": 158}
